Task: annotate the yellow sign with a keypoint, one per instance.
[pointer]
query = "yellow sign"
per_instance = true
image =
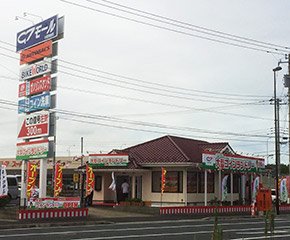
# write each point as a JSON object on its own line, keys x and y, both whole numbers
{"x": 76, "y": 177}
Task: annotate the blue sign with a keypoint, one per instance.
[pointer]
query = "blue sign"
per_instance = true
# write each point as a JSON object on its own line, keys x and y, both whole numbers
{"x": 37, "y": 34}
{"x": 34, "y": 103}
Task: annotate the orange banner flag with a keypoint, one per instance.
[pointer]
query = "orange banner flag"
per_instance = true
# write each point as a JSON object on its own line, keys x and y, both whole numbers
{"x": 163, "y": 172}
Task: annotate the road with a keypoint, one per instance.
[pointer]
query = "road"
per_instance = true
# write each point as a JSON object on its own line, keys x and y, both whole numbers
{"x": 193, "y": 229}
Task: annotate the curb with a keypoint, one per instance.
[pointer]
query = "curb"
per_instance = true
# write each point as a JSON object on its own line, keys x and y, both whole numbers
{"x": 18, "y": 224}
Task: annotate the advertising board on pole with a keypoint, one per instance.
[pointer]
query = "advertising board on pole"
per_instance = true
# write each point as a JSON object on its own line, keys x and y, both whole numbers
{"x": 33, "y": 125}
{"x": 37, "y": 102}
{"x": 36, "y": 69}
{"x": 33, "y": 150}
{"x": 35, "y": 86}
{"x": 41, "y": 32}
{"x": 40, "y": 51}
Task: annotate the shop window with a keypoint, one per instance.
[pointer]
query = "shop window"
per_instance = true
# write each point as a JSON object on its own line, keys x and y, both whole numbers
{"x": 210, "y": 182}
{"x": 173, "y": 182}
{"x": 236, "y": 181}
{"x": 98, "y": 183}
{"x": 201, "y": 182}
{"x": 192, "y": 182}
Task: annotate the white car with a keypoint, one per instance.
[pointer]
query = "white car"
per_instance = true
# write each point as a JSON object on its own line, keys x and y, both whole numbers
{"x": 273, "y": 195}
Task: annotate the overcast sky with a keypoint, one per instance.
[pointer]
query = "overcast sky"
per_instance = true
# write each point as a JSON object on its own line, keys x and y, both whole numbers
{"x": 137, "y": 72}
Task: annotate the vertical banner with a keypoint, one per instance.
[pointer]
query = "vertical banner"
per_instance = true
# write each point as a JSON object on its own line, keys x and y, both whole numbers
{"x": 31, "y": 179}
{"x": 3, "y": 182}
{"x": 283, "y": 190}
{"x": 58, "y": 179}
{"x": 224, "y": 187}
{"x": 288, "y": 185}
{"x": 255, "y": 188}
{"x": 163, "y": 173}
{"x": 113, "y": 184}
{"x": 90, "y": 180}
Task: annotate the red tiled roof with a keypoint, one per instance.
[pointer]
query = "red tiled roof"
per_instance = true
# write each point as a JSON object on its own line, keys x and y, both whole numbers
{"x": 171, "y": 149}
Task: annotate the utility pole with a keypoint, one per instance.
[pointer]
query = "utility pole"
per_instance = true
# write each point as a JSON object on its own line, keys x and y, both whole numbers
{"x": 82, "y": 173}
{"x": 289, "y": 115}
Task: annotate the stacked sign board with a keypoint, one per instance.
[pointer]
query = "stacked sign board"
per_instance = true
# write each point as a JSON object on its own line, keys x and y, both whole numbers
{"x": 37, "y": 46}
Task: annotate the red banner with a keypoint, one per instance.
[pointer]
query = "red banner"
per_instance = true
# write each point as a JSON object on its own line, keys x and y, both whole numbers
{"x": 163, "y": 180}
{"x": 90, "y": 186}
{"x": 31, "y": 179}
{"x": 58, "y": 179}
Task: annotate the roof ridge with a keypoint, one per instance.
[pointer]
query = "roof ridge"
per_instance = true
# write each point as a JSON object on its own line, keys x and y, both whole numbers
{"x": 179, "y": 149}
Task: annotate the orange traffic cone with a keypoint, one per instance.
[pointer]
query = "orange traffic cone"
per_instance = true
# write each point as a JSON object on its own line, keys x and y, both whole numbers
{"x": 253, "y": 209}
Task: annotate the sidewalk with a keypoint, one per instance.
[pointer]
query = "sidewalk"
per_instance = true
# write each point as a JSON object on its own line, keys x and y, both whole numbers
{"x": 97, "y": 215}
{"x": 103, "y": 215}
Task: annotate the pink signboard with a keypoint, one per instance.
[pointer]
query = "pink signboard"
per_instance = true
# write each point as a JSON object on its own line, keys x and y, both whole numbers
{"x": 33, "y": 125}
{"x": 60, "y": 202}
{"x": 35, "y": 86}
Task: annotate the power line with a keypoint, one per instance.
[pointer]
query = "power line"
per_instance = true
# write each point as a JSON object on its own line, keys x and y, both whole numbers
{"x": 151, "y": 83}
{"x": 172, "y": 30}
{"x": 140, "y": 123}
{"x": 190, "y": 27}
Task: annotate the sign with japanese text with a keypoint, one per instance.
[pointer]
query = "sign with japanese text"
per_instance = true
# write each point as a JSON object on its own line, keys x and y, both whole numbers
{"x": 33, "y": 125}
{"x": 60, "y": 202}
{"x": 58, "y": 179}
{"x": 109, "y": 160}
{"x": 264, "y": 201}
{"x": 76, "y": 177}
{"x": 90, "y": 185}
{"x": 3, "y": 182}
{"x": 35, "y": 69}
{"x": 35, "y": 86}
{"x": 41, "y": 32}
{"x": 35, "y": 53}
{"x": 32, "y": 150}
{"x": 31, "y": 179}
{"x": 163, "y": 173}
{"x": 37, "y": 102}
{"x": 221, "y": 162}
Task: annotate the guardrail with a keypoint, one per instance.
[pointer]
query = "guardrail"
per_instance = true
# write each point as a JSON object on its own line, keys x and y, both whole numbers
{"x": 52, "y": 213}
{"x": 211, "y": 209}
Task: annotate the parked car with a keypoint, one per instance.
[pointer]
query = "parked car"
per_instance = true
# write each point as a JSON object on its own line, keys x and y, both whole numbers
{"x": 13, "y": 191}
{"x": 273, "y": 195}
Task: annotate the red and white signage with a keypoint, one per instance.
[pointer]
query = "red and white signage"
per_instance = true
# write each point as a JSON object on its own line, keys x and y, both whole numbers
{"x": 35, "y": 86}
{"x": 33, "y": 125}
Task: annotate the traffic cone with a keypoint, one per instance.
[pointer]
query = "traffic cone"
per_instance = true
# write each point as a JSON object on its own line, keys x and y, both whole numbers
{"x": 253, "y": 209}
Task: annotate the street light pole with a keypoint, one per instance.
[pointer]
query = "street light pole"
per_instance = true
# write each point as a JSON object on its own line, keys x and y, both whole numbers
{"x": 277, "y": 155}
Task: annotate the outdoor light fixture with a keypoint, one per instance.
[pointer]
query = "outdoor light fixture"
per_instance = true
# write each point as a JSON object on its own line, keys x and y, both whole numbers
{"x": 277, "y": 152}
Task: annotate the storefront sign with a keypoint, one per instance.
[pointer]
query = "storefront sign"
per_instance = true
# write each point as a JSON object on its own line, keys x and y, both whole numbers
{"x": 58, "y": 180}
{"x": 109, "y": 160}
{"x": 36, "y": 69}
{"x": 34, "y": 103}
{"x": 35, "y": 86}
{"x": 41, "y": 32}
{"x": 31, "y": 179}
{"x": 32, "y": 150}
{"x": 33, "y": 125}
{"x": 218, "y": 161}
{"x": 35, "y": 53}
{"x": 61, "y": 202}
